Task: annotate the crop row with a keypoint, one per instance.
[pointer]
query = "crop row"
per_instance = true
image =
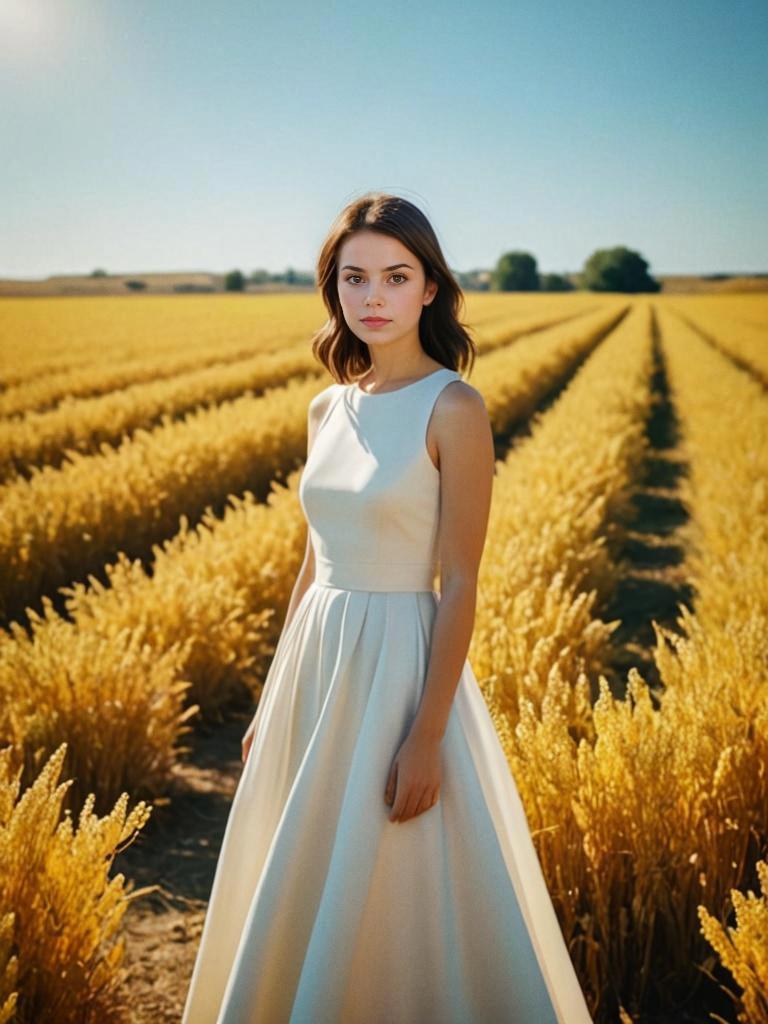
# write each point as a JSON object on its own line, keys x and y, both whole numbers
{"x": 84, "y": 424}
{"x": 66, "y": 522}
{"x": 745, "y": 343}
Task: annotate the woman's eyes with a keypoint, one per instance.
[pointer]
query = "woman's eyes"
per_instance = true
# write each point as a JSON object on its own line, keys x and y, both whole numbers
{"x": 350, "y": 276}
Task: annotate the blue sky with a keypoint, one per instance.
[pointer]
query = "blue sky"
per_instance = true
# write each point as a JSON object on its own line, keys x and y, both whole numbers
{"x": 151, "y": 135}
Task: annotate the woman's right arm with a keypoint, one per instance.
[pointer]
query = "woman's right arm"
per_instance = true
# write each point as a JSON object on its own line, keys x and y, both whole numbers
{"x": 315, "y": 414}
{"x": 306, "y": 574}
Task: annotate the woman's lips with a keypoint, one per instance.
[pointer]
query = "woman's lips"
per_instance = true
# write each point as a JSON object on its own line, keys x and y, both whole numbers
{"x": 374, "y": 321}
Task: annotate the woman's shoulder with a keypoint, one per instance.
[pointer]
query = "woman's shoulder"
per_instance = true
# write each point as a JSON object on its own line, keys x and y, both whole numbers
{"x": 460, "y": 411}
{"x": 319, "y": 402}
{"x": 460, "y": 394}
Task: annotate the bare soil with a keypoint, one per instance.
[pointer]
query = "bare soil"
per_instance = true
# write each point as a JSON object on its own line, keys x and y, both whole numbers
{"x": 177, "y": 851}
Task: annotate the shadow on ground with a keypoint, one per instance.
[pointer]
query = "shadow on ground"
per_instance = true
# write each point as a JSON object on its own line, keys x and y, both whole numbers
{"x": 654, "y": 575}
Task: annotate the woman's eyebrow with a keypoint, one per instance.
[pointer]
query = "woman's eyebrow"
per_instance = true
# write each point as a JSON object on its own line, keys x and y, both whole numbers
{"x": 348, "y": 266}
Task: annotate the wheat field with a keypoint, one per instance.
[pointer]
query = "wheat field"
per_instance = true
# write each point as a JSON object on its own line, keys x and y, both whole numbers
{"x": 150, "y": 536}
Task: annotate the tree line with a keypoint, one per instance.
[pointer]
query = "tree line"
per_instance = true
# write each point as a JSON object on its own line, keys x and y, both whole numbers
{"x": 618, "y": 269}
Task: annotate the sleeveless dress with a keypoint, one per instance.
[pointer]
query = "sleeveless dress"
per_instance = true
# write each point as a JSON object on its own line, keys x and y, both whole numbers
{"x": 323, "y": 911}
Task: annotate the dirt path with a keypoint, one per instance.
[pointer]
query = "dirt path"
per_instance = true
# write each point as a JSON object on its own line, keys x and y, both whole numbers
{"x": 654, "y": 580}
{"x": 177, "y": 851}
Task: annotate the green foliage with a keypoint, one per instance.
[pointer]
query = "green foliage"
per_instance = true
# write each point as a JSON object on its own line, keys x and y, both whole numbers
{"x": 135, "y": 285}
{"x": 234, "y": 281}
{"x": 618, "y": 270}
{"x": 555, "y": 283}
{"x": 515, "y": 272}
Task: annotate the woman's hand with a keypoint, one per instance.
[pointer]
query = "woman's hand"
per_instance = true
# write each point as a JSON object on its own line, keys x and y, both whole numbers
{"x": 414, "y": 778}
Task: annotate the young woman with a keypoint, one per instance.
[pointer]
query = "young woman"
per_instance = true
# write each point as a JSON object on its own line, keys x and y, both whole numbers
{"x": 377, "y": 866}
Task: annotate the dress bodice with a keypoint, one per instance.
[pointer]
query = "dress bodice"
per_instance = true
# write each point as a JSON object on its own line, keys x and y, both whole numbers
{"x": 370, "y": 491}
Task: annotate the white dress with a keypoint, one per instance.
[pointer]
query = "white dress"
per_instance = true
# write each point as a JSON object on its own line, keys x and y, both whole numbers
{"x": 323, "y": 911}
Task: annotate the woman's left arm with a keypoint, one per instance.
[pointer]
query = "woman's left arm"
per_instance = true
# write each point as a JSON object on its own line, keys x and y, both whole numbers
{"x": 467, "y": 461}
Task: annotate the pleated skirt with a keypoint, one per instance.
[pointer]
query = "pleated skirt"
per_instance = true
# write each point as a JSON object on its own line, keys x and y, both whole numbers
{"x": 322, "y": 910}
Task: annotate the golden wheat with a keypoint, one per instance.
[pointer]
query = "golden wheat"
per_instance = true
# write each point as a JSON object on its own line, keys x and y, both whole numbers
{"x": 744, "y": 948}
{"x": 60, "y": 911}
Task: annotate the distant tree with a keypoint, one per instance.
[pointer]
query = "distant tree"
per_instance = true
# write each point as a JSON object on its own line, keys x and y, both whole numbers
{"x": 99, "y": 273}
{"x": 135, "y": 285}
{"x": 515, "y": 272}
{"x": 259, "y": 276}
{"x": 555, "y": 283}
{"x": 290, "y": 276}
{"x": 618, "y": 270}
{"x": 234, "y": 281}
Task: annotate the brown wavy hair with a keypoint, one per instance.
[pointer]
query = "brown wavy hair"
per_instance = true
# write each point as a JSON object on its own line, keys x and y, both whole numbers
{"x": 443, "y": 336}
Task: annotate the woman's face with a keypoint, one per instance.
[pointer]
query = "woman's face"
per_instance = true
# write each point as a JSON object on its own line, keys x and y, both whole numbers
{"x": 379, "y": 277}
